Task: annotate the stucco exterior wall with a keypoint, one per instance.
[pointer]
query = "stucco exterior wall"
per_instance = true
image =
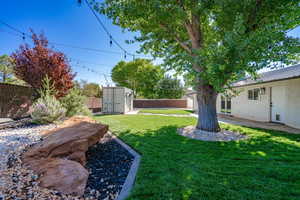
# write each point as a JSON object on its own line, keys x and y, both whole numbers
{"x": 259, "y": 110}
{"x": 293, "y": 103}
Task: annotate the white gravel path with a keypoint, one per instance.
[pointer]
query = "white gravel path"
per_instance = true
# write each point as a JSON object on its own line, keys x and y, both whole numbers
{"x": 14, "y": 140}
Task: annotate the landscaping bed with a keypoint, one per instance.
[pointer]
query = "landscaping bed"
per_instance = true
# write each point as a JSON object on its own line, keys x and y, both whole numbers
{"x": 264, "y": 166}
{"x": 107, "y": 162}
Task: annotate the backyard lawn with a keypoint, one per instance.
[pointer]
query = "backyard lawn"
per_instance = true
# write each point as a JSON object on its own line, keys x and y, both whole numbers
{"x": 267, "y": 166}
{"x": 166, "y": 111}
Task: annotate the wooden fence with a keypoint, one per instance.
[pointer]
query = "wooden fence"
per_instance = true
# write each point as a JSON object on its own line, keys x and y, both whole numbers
{"x": 94, "y": 104}
{"x": 15, "y": 100}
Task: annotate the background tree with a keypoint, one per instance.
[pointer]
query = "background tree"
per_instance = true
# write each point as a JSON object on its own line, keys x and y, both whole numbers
{"x": 217, "y": 42}
{"x": 7, "y": 71}
{"x": 6, "y": 68}
{"x": 33, "y": 64}
{"x": 89, "y": 89}
{"x": 169, "y": 88}
{"x": 139, "y": 75}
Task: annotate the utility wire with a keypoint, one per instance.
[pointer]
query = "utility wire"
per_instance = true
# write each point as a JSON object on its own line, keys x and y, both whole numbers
{"x": 23, "y": 35}
{"x": 106, "y": 30}
{"x": 72, "y": 65}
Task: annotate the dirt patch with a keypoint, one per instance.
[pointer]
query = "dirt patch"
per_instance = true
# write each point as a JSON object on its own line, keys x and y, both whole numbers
{"x": 223, "y": 135}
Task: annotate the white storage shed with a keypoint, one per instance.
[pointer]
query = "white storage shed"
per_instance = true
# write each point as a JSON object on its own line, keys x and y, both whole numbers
{"x": 117, "y": 100}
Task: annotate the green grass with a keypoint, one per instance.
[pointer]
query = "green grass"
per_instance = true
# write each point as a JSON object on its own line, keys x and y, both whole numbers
{"x": 166, "y": 111}
{"x": 266, "y": 166}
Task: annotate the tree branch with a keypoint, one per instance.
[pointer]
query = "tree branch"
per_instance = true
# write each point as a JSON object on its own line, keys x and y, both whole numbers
{"x": 194, "y": 30}
{"x": 251, "y": 25}
{"x": 177, "y": 38}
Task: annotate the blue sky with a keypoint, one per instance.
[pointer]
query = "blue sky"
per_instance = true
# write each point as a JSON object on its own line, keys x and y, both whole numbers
{"x": 64, "y": 21}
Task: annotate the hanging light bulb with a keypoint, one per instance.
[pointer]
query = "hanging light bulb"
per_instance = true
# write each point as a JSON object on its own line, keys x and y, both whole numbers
{"x": 125, "y": 55}
{"x": 23, "y": 36}
{"x": 110, "y": 41}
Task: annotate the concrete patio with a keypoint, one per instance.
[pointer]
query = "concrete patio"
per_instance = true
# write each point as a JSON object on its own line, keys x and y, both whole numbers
{"x": 256, "y": 124}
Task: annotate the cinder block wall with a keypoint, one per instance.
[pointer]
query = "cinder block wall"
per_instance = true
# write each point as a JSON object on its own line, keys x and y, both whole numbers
{"x": 160, "y": 103}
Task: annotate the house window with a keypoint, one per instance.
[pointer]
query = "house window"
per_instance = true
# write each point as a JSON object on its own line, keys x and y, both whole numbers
{"x": 225, "y": 105}
{"x": 250, "y": 94}
{"x": 253, "y": 94}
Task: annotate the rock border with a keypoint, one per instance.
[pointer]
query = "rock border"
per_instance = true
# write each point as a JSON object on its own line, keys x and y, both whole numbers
{"x": 222, "y": 136}
{"x": 130, "y": 179}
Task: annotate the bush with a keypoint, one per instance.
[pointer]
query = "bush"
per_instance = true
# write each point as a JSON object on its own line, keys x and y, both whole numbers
{"x": 74, "y": 102}
{"x": 47, "y": 109}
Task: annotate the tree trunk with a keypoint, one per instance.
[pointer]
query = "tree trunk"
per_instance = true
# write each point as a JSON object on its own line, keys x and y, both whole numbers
{"x": 4, "y": 77}
{"x": 207, "y": 113}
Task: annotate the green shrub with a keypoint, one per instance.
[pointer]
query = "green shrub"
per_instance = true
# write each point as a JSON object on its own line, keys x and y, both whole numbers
{"x": 47, "y": 109}
{"x": 74, "y": 102}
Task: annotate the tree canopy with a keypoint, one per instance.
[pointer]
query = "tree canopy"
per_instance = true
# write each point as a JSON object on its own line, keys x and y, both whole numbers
{"x": 33, "y": 64}
{"x": 169, "y": 88}
{"x": 6, "y": 68}
{"x": 139, "y": 75}
{"x": 217, "y": 42}
{"x": 7, "y": 71}
{"x": 89, "y": 89}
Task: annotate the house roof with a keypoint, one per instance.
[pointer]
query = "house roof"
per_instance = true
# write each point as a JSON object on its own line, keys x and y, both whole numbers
{"x": 275, "y": 75}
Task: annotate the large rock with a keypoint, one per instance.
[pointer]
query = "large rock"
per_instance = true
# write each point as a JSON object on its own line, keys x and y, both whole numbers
{"x": 66, "y": 176}
{"x": 60, "y": 157}
{"x": 70, "y": 140}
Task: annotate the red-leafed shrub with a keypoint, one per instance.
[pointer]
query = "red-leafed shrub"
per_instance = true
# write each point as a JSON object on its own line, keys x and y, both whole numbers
{"x": 33, "y": 64}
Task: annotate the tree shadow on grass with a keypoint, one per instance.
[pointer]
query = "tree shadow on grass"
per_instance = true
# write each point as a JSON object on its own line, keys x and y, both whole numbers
{"x": 266, "y": 166}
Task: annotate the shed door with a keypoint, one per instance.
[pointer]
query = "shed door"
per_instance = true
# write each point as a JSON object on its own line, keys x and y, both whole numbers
{"x": 118, "y": 100}
{"x": 278, "y": 104}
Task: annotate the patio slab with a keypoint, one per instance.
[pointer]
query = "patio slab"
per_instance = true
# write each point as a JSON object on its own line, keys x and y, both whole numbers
{"x": 257, "y": 124}
{"x": 227, "y": 119}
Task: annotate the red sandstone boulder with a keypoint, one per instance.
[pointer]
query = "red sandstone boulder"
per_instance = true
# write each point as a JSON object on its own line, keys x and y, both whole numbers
{"x": 66, "y": 176}
{"x": 60, "y": 157}
{"x": 70, "y": 140}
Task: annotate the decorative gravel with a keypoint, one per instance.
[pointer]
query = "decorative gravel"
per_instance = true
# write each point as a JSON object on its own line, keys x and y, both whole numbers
{"x": 14, "y": 140}
{"x": 14, "y": 179}
{"x": 109, "y": 164}
{"x": 223, "y": 135}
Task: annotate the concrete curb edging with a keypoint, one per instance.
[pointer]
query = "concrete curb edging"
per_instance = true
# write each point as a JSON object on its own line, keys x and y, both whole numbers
{"x": 130, "y": 179}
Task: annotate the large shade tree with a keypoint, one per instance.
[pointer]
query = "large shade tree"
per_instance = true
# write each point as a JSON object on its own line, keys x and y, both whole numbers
{"x": 139, "y": 75}
{"x": 217, "y": 42}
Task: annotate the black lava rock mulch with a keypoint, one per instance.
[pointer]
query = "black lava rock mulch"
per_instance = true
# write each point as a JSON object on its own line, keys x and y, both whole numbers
{"x": 109, "y": 164}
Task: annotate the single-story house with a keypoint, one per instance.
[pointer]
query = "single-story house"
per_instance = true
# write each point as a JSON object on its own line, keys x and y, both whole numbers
{"x": 273, "y": 97}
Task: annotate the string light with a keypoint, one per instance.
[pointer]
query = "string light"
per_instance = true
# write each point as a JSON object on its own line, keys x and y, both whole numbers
{"x": 23, "y": 35}
{"x": 110, "y": 42}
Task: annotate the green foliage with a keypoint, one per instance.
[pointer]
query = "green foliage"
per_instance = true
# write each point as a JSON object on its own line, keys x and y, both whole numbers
{"x": 176, "y": 167}
{"x": 6, "y": 68}
{"x": 47, "y": 88}
{"x": 7, "y": 71}
{"x": 91, "y": 90}
{"x": 47, "y": 109}
{"x": 139, "y": 75}
{"x": 169, "y": 88}
{"x": 75, "y": 103}
{"x": 216, "y": 42}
